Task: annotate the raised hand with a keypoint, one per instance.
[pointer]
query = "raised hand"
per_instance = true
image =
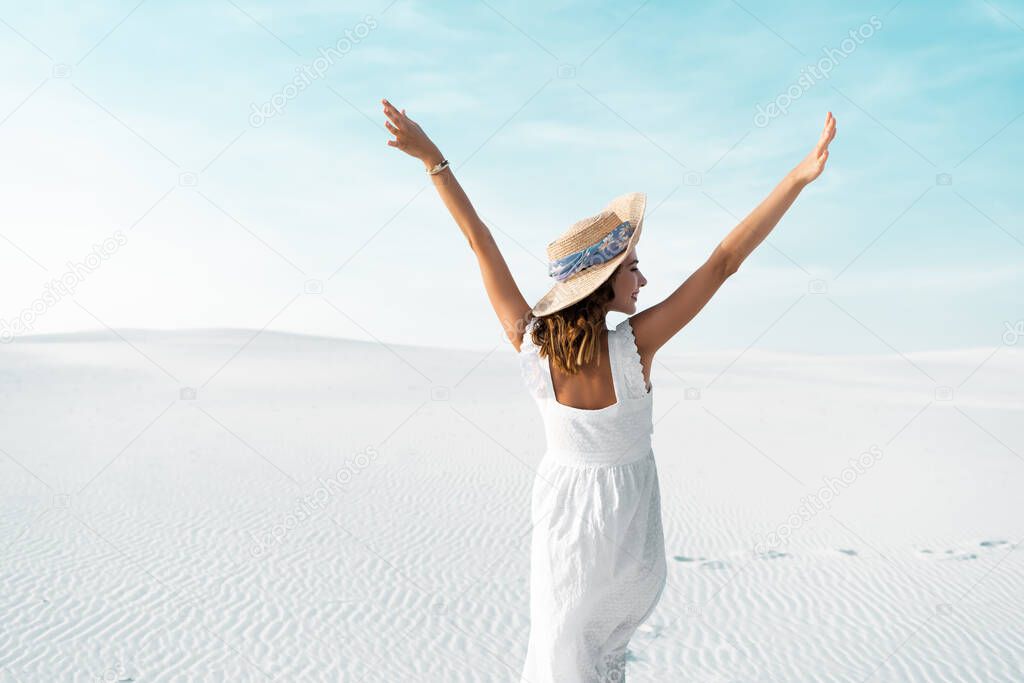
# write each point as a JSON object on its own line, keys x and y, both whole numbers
{"x": 409, "y": 137}
{"x": 814, "y": 163}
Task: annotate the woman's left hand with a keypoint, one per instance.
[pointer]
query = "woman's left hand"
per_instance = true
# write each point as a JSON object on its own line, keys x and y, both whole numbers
{"x": 814, "y": 163}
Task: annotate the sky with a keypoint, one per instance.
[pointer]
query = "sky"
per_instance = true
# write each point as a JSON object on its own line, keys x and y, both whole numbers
{"x": 224, "y": 164}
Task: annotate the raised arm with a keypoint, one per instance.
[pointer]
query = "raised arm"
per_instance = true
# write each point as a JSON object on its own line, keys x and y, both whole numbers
{"x": 659, "y": 323}
{"x": 506, "y": 299}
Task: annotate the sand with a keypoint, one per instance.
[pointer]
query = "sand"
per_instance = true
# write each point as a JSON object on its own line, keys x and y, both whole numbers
{"x": 242, "y": 506}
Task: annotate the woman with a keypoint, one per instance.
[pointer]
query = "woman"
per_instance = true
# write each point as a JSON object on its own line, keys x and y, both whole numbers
{"x": 597, "y": 563}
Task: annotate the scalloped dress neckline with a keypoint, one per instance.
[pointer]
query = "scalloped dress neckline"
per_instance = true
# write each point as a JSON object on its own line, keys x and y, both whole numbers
{"x": 613, "y": 366}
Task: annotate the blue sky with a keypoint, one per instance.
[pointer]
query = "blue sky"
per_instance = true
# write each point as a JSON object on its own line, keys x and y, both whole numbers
{"x": 132, "y": 122}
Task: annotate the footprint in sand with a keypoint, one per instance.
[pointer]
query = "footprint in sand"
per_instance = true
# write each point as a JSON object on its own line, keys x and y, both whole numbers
{"x": 964, "y": 556}
{"x": 992, "y": 544}
{"x": 950, "y": 554}
{"x": 714, "y": 564}
{"x": 774, "y": 554}
{"x": 848, "y": 551}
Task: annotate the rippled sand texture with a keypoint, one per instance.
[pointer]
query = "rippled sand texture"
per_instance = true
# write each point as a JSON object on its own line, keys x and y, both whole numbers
{"x": 222, "y": 506}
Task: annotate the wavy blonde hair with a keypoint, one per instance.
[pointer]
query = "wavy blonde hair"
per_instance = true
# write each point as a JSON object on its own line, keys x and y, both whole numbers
{"x": 571, "y": 337}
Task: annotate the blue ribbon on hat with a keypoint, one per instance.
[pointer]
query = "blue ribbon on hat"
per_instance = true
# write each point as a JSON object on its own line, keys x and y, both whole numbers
{"x": 605, "y": 249}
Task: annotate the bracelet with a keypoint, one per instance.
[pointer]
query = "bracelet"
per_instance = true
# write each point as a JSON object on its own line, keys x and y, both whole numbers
{"x": 443, "y": 164}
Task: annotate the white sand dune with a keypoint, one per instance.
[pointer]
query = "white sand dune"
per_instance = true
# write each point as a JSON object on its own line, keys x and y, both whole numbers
{"x": 325, "y": 509}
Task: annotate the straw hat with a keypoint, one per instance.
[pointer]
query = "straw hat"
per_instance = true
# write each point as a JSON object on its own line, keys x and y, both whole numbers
{"x": 586, "y": 255}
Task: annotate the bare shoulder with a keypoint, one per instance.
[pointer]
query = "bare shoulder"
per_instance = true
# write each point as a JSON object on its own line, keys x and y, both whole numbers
{"x": 656, "y": 325}
{"x": 639, "y": 327}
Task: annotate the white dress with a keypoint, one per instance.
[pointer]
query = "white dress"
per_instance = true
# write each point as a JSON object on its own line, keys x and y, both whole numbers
{"x": 597, "y": 557}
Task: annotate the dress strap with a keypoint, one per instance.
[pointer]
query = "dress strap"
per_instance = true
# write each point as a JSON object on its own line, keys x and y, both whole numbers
{"x": 533, "y": 368}
{"x": 630, "y": 367}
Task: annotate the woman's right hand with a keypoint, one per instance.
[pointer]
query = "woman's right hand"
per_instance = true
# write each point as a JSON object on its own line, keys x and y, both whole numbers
{"x": 814, "y": 163}
{"x": 409, "y": 137}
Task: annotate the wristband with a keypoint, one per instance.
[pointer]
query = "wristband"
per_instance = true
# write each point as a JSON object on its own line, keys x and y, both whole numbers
{"x": 443, "y": 164}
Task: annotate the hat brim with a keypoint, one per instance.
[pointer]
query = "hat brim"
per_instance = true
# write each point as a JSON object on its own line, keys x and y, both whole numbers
{"x": 563, "y": 294}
